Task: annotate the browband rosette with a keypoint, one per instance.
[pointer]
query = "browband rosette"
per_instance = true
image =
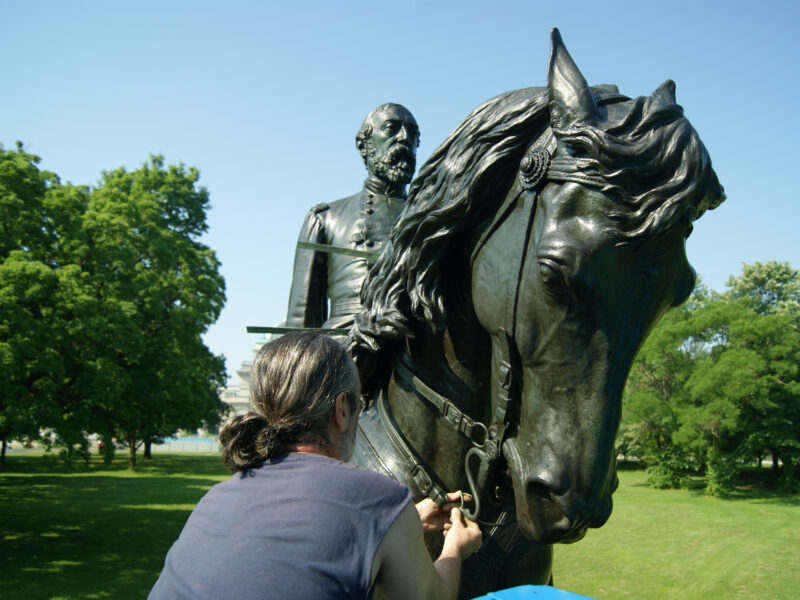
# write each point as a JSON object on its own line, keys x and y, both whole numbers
{"x": 533, "y": 168}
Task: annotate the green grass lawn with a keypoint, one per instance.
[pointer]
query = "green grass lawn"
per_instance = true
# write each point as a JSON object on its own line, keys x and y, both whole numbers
{"x": 102, "y": 532}
{"x": 94, "y": 532}
{"x": 679, "y": 544}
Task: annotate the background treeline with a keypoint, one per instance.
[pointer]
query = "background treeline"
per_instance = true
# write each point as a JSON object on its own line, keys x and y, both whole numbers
{"x": 716, "y": 387}
{"x": 104, "y": 294}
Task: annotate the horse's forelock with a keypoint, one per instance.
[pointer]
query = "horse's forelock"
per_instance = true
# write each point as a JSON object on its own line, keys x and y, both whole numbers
{"x": 654, "y": 160}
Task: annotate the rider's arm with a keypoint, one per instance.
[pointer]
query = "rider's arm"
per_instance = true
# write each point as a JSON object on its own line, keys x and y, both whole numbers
{"x": 403, "y": 566}
{"x": 308, "y": 297}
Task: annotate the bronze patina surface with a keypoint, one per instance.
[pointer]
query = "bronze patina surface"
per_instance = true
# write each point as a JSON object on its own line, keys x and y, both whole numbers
{"x": 540, "y": 244}
{"x": 338, "y": 240}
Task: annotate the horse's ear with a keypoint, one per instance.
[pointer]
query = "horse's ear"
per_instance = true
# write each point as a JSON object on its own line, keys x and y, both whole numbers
{"x": 571, "y": 100}
{"x": 664, "y": 94}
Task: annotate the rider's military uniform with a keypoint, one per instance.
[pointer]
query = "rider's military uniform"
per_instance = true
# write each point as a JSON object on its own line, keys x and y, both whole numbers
{"x": 360, "y": 222}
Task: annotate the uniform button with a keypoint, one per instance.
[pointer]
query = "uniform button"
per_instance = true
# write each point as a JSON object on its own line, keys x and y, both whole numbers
{"x": 368, "y": 201}
{"x": 370, "y": 243}
{"x": 369, "y": 211}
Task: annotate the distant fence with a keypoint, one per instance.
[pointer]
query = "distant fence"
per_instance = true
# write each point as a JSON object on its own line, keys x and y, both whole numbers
{"x": 188, "y": 444}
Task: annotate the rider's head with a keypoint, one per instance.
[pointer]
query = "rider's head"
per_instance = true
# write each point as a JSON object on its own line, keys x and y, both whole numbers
{"x": 388, "y": 141}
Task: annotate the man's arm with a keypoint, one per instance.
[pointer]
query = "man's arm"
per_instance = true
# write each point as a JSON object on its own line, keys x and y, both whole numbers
{"x": 308, "y": 298}
{"x": 403, "y": 567}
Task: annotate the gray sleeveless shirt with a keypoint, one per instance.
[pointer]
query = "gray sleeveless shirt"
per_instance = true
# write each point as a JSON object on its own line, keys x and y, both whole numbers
{"x": 300, "y": 526}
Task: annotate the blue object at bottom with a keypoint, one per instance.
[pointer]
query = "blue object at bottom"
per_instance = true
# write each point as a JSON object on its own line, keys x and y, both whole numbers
{"x": 532, "y": 592}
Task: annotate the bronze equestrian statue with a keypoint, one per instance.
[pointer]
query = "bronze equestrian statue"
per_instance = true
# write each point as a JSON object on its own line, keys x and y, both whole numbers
{"x": 539, "y": 245}
{"x": 338, "y": 239}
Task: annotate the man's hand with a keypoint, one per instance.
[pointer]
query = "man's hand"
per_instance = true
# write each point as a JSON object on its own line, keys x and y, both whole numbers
{"x": 461, "y": 536}
{"x": 434, "y": 518}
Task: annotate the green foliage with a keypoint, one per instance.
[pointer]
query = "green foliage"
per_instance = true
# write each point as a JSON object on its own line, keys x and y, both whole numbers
{"x": 104, "y": 296}
{"x": 772, "y": 287}
{"x": 669, "y": 470}
{"x": 720, "y": 378}
{"x": 146, "y": 223}
{"x": 656, "y": 392}
{"x": 721, "y": 473}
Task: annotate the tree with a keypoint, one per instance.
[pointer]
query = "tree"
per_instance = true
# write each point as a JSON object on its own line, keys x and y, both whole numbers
{"x": 27, "y": 285}
{"x": 772, "y": 287}
{"x": 104, "y": 296}
{"x": 772, "y": 291}
{"x": 144, "y": 227}
{"x": 717, "y": 383}
{"x": 656, "y": 394}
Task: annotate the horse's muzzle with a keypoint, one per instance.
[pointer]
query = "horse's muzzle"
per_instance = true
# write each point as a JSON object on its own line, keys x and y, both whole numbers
{"x": 549, "y": 510}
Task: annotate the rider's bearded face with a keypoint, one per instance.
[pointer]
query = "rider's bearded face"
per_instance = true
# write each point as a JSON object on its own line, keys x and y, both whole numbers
{"x": 392, "y": 147}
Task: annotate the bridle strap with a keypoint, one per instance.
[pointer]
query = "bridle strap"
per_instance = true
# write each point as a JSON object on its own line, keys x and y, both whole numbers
{"x": 474, "y": 431}
{"x": 506, "y": 389}
{"x": 426, "y": 481}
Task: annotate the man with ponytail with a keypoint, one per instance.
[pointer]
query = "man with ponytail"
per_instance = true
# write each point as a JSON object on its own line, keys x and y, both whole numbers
{"x": 296, "y": 521}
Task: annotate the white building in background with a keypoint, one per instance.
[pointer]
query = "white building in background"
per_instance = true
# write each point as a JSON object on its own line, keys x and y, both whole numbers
{"x": 238, "y": 396}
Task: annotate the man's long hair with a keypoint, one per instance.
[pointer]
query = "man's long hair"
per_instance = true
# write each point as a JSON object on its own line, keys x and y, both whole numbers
{"x": 295, "y": 380}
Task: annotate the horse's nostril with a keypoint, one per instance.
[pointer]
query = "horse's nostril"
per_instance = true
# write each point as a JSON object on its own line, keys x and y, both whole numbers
{"x": 537, "y": 488}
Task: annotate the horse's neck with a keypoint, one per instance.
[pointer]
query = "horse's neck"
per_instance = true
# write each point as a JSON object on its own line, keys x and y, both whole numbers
{"x": 454, "y": 370}
{"x": 454, "y": 363}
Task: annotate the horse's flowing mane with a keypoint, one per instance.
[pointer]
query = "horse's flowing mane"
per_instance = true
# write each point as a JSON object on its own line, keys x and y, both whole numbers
{"x": 650, "y": 160}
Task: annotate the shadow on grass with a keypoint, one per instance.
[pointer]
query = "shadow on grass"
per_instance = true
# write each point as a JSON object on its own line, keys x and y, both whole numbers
{"x": 163, "y": 464}
{"x": 85, "y": 534}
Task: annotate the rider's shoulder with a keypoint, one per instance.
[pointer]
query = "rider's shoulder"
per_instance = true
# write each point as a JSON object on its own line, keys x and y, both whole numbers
{"x": 344, "y": 203}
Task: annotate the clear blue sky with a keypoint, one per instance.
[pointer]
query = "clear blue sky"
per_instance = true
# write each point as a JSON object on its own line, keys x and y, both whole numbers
{"x": 265, "y": 99}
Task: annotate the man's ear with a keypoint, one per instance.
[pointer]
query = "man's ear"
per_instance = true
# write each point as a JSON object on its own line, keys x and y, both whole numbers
{"x": 341, "y": 413}
{"x": 361, "y": 146}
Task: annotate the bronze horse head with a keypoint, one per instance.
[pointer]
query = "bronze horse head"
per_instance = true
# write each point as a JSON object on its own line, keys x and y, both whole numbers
{"x": 541, "y": 242}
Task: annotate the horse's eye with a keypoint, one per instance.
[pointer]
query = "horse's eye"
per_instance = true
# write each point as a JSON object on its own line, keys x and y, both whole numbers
{"x": 551, "y": 278}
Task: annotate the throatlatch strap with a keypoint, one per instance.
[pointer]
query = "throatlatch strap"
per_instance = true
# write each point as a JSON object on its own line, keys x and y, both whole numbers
{"x": 426, "y": 481}
{"x": 474, "y": 431}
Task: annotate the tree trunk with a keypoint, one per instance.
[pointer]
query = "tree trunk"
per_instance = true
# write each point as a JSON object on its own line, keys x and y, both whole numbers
{"x": 775, "y": 462}
{"x": 108, "y": 449}
{"x": 148, "y": 442}
{"x": 3, "y": 453}
{"x": 789, "y": 472}
{"x": 131, "y": 452}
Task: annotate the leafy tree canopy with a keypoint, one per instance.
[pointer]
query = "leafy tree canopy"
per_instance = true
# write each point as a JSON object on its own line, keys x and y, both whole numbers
{"x": 104, "y": 296}
{"x": 717, "y": 384}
